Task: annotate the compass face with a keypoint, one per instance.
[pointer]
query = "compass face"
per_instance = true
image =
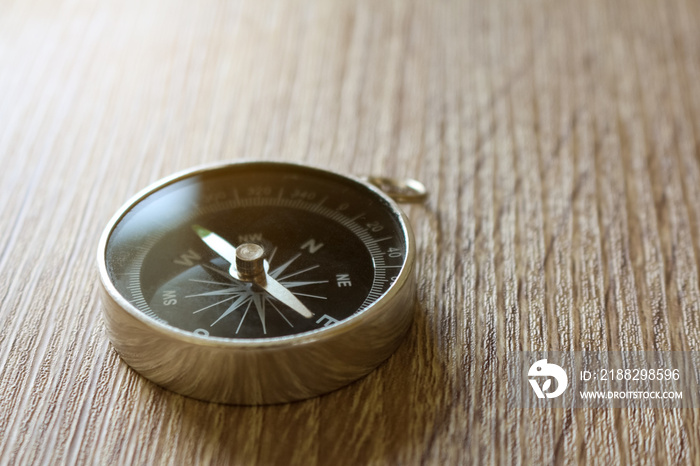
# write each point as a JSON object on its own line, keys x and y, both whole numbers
{"x": 331, "y": 248}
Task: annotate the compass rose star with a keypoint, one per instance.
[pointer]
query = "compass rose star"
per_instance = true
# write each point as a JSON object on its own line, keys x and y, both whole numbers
{"x": 242, "y": 296}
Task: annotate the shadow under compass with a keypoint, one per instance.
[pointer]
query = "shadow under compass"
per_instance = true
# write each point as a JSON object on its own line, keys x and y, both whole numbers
{"x": 385, "y": 417}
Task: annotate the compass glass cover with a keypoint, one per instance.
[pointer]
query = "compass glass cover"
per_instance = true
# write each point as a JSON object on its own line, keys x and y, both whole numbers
{"x": 335, "y": 244}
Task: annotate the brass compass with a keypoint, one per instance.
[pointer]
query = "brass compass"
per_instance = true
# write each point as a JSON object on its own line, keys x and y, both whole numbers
{"x": 258, "y": 282}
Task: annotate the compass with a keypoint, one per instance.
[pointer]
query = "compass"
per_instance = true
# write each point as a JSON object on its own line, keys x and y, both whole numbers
{"x": 258, "y": 282}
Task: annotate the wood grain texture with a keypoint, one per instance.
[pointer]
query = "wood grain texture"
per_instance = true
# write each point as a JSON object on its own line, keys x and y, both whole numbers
{"x": 560, "y": 141}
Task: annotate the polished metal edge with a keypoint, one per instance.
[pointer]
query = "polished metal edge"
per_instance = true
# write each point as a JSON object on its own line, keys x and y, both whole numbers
{"x": 261, "y": 371}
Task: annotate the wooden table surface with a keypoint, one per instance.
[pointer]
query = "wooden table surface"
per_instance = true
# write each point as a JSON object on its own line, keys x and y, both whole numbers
{"x": 560, "y": 142}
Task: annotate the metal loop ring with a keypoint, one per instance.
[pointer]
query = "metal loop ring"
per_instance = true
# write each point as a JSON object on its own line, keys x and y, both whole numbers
{"x": 405, "y": 190}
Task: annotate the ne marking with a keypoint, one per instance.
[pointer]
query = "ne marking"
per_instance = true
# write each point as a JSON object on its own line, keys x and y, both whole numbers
{"x": 296, "y": 284}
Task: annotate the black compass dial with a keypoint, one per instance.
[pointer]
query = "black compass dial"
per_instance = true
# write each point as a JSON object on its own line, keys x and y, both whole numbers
{"x": 329, "y": 248}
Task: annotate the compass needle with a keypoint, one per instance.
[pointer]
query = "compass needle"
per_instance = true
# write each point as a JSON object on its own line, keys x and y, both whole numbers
{"x": 257, "y": 282}
{"x": 249, "y": 258}
{"x": 285, "y": 296}
{"x": 297, "y": 284}
{"x": 217, "y": 244}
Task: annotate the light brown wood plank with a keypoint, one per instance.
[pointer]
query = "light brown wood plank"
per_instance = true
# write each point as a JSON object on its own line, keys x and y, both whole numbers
{"x": 559, "y": 141}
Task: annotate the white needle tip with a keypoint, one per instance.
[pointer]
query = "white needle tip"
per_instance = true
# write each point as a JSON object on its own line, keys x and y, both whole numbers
{"x": 201, "y": 231}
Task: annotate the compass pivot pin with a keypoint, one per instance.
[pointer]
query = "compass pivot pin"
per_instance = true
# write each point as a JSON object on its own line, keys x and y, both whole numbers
{"x": 250, "y": 261}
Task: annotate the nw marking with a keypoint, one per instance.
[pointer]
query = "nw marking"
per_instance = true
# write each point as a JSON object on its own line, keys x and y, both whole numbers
{"x": 250, "y": 238}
